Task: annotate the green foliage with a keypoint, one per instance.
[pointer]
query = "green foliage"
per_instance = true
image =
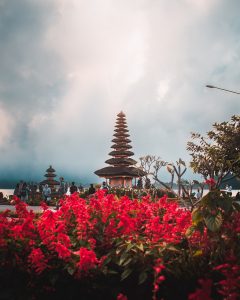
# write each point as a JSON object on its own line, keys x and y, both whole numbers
{"x": 218, "y": 154}
{"x": 213, "y": 209}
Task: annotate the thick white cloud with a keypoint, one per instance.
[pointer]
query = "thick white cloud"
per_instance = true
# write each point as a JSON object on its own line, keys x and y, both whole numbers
{"x": 151, "y": 59}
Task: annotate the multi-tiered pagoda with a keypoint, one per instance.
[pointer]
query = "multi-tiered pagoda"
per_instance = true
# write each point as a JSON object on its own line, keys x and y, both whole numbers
{"x": 121, "y": 170}
{"x": 50, "y": 175}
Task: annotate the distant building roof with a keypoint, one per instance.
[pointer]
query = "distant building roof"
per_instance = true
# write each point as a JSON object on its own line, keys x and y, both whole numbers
{"x": 50, "y": 178}
{"x": 120, "y": 171}
{"x": 50, "y": 169}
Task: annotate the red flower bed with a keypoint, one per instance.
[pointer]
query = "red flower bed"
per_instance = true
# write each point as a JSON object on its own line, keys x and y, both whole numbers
{"x": 138, "y": 248}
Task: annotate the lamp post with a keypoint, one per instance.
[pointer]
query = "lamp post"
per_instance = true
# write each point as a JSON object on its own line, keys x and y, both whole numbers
{"x": 215, "y": 87}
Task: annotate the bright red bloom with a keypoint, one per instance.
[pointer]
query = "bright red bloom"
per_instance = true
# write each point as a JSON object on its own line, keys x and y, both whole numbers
{"x": 121, "y": 297}
{"x": 211, "y": 182}
{"x": 63, "y": 251}
{"x": 88, "y": 259}
{"x": 37, "y": 260}
{"x": 229, "y": 287}
{"x": 158, "y": 279}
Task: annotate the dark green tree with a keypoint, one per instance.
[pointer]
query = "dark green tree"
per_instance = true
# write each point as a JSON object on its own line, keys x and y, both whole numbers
{"x": 217, "y": 155}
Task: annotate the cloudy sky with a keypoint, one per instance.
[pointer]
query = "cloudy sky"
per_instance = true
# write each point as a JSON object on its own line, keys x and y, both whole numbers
{"x": 67, "y": 67}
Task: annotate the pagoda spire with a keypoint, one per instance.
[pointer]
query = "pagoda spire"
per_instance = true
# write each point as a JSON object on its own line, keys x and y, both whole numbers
{"x": 50, "y": 175}
{"x": 121, "y": 170}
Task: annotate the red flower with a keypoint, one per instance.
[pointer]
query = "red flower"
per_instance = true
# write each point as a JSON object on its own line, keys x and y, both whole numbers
{"x": 37, "y": 260}
{"x": 62, "y": 251}
{"x": 211, "y": 182}
{"x": 121, "y": 297}
{"x": 229, "y": 287}
{"x": 88, "y": 259}
{"x": 158, "y": 279}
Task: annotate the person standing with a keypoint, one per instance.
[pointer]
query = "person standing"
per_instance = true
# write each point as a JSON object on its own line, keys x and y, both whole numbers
{"x": 199, "y": 194}
{"x": 91, "y": 189}
{"x": 81, "y": 188}
{"x": 24, "y": 192}
{"x": 73, "y": 188}
{"x": 104, "y": 186}
{"x": 16, "y": 190}
{"x": 46, "y": 193}
{"x": 61, "y": 189}
{"x": 237, "y": 197}
{"x": 20, "y": 186}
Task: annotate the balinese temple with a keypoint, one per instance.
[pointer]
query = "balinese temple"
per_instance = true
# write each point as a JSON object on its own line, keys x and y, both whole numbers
{"x": 50, "y": 175}
{"x": 121, "y": 171}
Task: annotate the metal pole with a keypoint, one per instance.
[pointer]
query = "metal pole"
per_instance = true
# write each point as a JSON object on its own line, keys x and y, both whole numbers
{"x": 215, "y": 87}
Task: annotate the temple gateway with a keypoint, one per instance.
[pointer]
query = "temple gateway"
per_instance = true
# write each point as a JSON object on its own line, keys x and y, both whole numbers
{"x": 121, "y": 170}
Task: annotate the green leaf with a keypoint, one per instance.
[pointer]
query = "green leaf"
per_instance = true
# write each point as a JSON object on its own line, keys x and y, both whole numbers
{"x": 70, "y": 270}
{"x": 107, "y": 260}
{"x": 190, "y": 231}
{"x": 112, "y": 272}
{"x": 198, "y": 253}
{"x": 118, "y": 251}
{"x": 129, "y": 247}
{"x": 140, "y": 247}
{"x": 236, "y": 206}
{"x": 200, "y": 227}
{"x": 172, "y": 248}
{"x": 142, "y": 277}
{"x": 225, "y": 204}
{"x": 196, "y": 216}
{"x": 126, "y": 273}
{"x": 127, "y": 262}
{"x": 213, "y": 223}
{"x": 123, "y": 258}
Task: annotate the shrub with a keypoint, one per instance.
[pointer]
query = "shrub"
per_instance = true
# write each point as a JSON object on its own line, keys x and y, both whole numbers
{"x": 108, "y": 247}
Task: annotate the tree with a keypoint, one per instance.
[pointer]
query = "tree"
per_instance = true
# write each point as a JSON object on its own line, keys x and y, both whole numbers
{"x": 179, "y": 169}
{"x": 217, "y": 155}
{"x": 147, "y": 184}
{"x": 151, "y": 165}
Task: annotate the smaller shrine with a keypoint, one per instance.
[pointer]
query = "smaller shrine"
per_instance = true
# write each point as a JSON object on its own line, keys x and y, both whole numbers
{"x": 50, "y": 175}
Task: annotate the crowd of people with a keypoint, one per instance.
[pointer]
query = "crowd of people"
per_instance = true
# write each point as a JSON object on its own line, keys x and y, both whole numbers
{"x": 25, "y": 191}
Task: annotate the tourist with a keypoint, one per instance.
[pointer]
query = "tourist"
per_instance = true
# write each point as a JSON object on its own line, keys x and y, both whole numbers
{"x": 81, "y": 189}
{"x": 198, "y": 195}
{"x": 16, "y": 191}
{"x": 104, "y": 186}
{"x": 61, "y": 190}
{"x": 237, "y": 197}
{"x": 140, "y": 183}
{"x": 229, "y": 190}
{"x": 91, "y": 189}
{"x": 73, "y": 188}
{"x": 24, "y": 192}
{"x": 66, "y": 187}
{"x": 20, "y": 189}
{"x": 46, "y": 193}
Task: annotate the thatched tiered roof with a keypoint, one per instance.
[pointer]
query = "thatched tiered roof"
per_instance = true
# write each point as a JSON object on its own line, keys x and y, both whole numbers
{"x": 50, "y": 175}
{"x": 120, "y": 164}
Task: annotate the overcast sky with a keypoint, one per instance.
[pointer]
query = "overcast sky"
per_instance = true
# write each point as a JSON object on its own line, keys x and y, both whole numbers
{"x": 68, "y": 67}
